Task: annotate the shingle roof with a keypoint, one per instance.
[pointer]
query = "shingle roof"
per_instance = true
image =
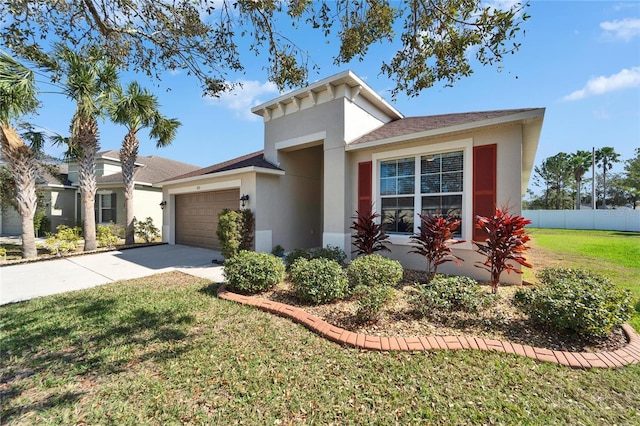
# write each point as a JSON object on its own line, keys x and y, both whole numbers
{"x": 255, "y": 159}
{"x": 410, "y": 125}
{"x": 153, "y": 169}
{"x": 54, "y": 174}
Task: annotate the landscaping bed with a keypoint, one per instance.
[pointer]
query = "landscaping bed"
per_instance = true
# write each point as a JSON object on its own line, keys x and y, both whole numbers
{"x": 502, "y": 321}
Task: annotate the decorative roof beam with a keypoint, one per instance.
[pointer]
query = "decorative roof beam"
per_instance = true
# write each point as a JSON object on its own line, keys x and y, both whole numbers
{"x": 355, "y": 91}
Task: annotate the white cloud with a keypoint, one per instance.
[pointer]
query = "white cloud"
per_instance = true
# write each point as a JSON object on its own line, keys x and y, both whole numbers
{"x": 625, "y": 29}
{"x": 242, "y": 98}
{"x": 625, "y": 79}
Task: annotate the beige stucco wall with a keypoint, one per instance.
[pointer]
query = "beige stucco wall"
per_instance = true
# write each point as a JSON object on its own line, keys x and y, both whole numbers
{"x": 146, "y": 203}
{"x": 509, "y": 141}
{"x": 332, "y": 119}
{"x": 290, "y": 206}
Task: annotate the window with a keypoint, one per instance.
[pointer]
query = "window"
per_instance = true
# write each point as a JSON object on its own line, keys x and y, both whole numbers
{"x": 439, "y": 179}
{"x": 397, "y": 187}
{"x": 106, "y": 208}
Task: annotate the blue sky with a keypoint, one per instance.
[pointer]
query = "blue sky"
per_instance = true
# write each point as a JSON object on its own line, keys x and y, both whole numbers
{"x": 578, "y": 59}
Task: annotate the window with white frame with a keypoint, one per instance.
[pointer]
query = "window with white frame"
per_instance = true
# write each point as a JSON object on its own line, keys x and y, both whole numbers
{"x": 429, "y": 184}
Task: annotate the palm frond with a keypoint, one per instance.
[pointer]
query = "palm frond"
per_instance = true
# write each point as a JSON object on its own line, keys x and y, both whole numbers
{"x": 17, "y": 89}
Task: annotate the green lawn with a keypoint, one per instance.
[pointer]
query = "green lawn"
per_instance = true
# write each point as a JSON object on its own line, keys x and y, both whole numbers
{"x": 164, "y": 350}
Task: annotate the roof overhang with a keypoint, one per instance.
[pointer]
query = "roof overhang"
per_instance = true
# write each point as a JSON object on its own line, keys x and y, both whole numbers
{"x": 360, "y": 88}
{"x": 251, "y": 169}
{"x": 522, "y": 116}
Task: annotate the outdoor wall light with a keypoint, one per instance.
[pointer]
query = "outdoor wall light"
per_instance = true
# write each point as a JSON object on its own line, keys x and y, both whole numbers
{"x": 163, "y": 204}
{"x": 244, "y": 199}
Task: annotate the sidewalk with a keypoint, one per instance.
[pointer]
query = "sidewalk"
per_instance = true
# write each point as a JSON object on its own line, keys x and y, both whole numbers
{"x": 29, "y": 280}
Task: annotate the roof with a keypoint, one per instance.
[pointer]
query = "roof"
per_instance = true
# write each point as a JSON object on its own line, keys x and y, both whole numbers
{"x": 417, "y": 125}
{"x": 345, "y": 77}
{"x": 54, "y": 175}
{"x": 255, "y": 159}
{"x": 148, "y": 170}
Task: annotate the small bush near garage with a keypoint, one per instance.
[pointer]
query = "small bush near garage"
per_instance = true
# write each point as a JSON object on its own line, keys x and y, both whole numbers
{"x": 577, "y": 301}
{"x": 373, "y": 270}
{"x": 444, "y": 295}
{"x": 251, "y": 272}
{"x": 235, "y": 231}
{"x": 318, "y": 280}
{"x": 146, "y": 230}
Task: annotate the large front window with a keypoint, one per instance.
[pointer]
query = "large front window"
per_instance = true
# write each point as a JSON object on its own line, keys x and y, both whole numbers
{"x": 438, "y": 179}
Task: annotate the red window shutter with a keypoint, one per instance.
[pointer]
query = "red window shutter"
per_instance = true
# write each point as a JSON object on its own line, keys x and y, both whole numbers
{"x": 364, "y": 186}
{"x": 484, "y": 184}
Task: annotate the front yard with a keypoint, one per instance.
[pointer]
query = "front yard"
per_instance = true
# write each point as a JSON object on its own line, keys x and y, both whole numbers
{"x": 166, "y": 350}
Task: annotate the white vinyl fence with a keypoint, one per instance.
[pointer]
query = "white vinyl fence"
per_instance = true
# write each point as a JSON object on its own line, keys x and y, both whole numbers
{"x": 607, "y": 220}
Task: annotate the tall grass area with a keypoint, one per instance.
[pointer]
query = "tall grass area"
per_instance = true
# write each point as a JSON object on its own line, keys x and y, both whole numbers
{"x": 613, "y": 254}
{"x": 165, "y": 350}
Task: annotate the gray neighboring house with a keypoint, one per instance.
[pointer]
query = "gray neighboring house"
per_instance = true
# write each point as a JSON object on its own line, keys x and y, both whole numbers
{"x": 335, "y": 147}
{"x": 62, "y": 198}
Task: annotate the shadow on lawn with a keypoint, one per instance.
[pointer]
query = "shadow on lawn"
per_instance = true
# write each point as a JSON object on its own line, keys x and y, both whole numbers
{"x": 76, "y": 338}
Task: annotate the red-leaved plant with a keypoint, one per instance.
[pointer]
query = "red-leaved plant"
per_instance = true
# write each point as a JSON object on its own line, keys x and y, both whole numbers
{"x": 506, "y": 241}
{"x": 434, "y": 241}
{"x": 369, "y": 237}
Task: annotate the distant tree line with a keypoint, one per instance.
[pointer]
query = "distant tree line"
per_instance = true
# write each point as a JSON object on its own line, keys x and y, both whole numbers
{"x": 566, "y": 181}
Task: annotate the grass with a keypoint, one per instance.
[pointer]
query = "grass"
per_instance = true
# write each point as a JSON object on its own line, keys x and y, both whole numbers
{"x": 165, "y": 350}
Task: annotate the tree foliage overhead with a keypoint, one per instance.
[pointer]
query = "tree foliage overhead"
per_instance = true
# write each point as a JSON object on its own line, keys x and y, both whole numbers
{"x": 437, "y": 40}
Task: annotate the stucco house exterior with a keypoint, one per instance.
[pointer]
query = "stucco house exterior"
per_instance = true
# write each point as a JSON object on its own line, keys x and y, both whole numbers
{"x": 335, "y": 147}
{"x": 62, "y": 200}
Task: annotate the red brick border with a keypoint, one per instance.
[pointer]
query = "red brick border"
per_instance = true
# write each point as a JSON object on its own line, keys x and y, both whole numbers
{"x": 630, "y": 354}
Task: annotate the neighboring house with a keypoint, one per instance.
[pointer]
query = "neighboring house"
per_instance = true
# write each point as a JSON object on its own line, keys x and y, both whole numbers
{"x": 62, "y": 198}
{"x": 58, "y": 199}
{"x": 335, "y": 147}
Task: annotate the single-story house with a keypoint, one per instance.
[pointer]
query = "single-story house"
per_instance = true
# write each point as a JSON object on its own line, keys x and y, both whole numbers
{"x": 63, "y": 206}
{"x": 335, "y": 147}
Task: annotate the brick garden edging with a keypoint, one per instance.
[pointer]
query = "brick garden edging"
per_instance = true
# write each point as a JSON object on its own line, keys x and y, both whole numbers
{"x": 630, "y": 354}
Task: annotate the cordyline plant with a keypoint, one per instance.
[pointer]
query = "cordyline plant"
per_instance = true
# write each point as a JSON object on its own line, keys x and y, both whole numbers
{"x": 506, "y": 241}
{"x": 369, "y": 237}
{"x": 434, "y": 241}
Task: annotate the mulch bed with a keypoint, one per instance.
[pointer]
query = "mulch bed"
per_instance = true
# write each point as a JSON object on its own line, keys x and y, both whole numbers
{"x": 501, "y": 321}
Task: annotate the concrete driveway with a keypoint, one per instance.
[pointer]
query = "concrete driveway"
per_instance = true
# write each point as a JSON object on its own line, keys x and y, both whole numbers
{"x": 30, "y": 280}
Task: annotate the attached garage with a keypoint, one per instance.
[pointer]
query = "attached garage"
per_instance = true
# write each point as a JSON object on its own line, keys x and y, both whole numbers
{"x": 196, "y": 216}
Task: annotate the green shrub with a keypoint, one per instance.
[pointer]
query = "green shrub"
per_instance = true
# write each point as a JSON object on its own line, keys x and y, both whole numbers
{"x": 371, "y": 300}
{"x": 146, "y": 230}
{"x": 296, "y": 254}
{"x": 373, "y": 270}
{"x": 330, "y": 252}
{"x": 251, "y": 272}
{"x": 444, "y": 295}
{"x": 64, "y": 241}
{"x": 104, "y": 237}
{"x": 318, "y": 280}
{"x": 576, "y": 301}
{"x": 235, "y": 231}
{"x": 228, "y": 232}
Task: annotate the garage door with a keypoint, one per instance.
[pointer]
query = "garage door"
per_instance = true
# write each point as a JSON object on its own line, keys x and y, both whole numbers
{"x": 197, "y": 216}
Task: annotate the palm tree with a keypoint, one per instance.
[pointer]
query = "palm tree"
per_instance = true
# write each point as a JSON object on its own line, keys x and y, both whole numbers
{"x": 17, "y": 99}
{"x": 605, "y": 157}
{"x": 580, "y": 163}
{"x": 137, "y": 109}
{"x": 89, "y": 81}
